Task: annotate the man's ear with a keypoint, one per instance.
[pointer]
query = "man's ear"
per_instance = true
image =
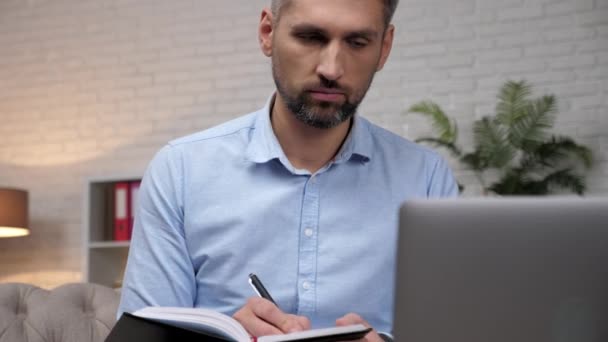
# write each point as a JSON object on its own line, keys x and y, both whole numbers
{"x": 265, "y": 32}
{"x": 387, "y": 45}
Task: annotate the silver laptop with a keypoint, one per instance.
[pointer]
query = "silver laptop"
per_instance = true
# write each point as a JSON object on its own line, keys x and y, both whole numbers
{"x": 502, "y": 270}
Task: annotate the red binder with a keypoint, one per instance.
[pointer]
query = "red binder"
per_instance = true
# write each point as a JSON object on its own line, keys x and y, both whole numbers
{"x": 122, "y": 213}
{"x": 133, "y": 197}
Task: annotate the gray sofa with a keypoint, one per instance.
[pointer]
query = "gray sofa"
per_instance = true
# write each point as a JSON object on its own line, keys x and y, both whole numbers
{"x": 76, "y": 312}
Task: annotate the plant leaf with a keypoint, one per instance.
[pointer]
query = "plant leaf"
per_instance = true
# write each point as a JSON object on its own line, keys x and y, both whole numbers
{"x": 531, "y": 128}
{"x": 491, "y": 143}
{"x": 567, "y": 180}
{"x": 515, "y": 182}
{"x": 559, "y": 148}
{"x": 445, "y": 128}
{"x": 474, "y": 161}
{"x": 512, "y": 102}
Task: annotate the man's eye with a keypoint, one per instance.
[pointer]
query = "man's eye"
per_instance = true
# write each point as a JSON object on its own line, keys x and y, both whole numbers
{"x": 358, "y": 43}
{"x": 311, "y": 38}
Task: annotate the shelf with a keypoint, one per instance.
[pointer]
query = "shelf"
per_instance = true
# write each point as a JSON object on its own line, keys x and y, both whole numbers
{"x": 105, "y": 259}
{"x": 109, "y": 244}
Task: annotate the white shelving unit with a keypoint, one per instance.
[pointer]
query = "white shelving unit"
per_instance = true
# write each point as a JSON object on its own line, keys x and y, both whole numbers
{"x": 104, "y": 259}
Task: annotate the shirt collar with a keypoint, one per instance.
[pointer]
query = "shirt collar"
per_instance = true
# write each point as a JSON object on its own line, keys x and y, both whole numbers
{"x": 358, "y": 144}
{"x": 264, "y": 145}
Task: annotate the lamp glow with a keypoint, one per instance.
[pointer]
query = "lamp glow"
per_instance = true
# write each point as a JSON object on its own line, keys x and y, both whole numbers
{"x": 8, "y": 232}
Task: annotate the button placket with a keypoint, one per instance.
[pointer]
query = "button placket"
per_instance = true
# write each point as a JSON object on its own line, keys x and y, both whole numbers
{"x": 308, "y": 248}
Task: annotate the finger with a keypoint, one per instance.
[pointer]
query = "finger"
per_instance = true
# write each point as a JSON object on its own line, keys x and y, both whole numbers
{"x": 259, "y": 327}
{"x": 270, "y": 313}
{"x": 351, "y": 318}
{"x": 254, "y": 325}
{"x": 303, "y": 321}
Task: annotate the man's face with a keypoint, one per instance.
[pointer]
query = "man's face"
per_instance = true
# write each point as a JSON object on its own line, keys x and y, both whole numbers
{"x": 324, "y": 56}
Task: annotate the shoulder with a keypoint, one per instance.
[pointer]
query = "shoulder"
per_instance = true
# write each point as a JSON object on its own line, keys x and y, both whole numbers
{"x": 232, "y": 128}
{"x": 200, "y": 152}
{"x": 412, "y": 164}
{"x": 398, "y": 146}
{"x": 207, "y": 146}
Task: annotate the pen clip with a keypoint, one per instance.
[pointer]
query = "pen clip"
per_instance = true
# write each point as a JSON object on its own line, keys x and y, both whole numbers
{"x": 254, "y": 287}
{"x": 255, "y": 282}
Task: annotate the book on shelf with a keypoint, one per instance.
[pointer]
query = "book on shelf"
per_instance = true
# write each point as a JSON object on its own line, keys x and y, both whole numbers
{"x": 122, "y": 213}
{"x": 161, "y": 324}
{"x": 120, "y": 203}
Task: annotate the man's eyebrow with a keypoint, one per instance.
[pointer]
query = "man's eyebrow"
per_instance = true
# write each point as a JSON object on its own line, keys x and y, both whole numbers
{"x": 308, "y": 28}
{"x": 369, "y": 34}
{"x": 364, "y": 33}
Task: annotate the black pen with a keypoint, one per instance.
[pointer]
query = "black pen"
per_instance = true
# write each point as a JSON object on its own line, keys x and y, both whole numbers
{"x": 255, "y": 282}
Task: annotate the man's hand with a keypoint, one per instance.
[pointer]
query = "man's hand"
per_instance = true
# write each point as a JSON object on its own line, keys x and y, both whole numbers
{"x": 352, "y": 318}
{"x": 261, "y": 317}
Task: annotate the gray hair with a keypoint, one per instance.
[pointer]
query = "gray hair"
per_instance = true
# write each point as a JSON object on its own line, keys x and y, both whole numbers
{"x": 389, "y": 9}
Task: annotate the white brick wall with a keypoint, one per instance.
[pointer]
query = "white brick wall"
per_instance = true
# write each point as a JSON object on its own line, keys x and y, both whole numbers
{"x": 94, "y": 87}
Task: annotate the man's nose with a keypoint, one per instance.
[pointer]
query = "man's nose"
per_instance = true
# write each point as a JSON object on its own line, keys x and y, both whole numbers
{"x": 331, "y": 63}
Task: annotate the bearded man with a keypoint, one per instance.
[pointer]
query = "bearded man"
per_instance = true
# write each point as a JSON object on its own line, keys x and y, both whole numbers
{"x": 304, "y": 192}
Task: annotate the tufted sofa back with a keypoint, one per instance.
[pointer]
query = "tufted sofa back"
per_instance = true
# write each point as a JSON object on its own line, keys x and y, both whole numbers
{"x": 76, "y": 312}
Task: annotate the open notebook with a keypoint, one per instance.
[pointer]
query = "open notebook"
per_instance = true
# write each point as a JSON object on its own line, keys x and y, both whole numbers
{"x": 216, "y": 326}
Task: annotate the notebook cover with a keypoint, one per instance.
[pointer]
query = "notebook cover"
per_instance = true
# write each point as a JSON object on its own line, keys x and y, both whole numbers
{"x": 131, "y": 328}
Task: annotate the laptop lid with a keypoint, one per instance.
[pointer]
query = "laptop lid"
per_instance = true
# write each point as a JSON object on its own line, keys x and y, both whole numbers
{"x": 502, "y": 270}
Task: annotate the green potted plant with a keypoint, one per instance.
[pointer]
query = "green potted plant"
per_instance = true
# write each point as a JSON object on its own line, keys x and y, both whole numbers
{"x": 515, "y": 144}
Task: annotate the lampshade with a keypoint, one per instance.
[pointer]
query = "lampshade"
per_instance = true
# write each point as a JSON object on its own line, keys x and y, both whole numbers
{"x": 13, "y": 213}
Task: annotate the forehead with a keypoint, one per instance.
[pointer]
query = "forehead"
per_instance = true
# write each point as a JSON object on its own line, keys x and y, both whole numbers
{"x": 347, "y": 15}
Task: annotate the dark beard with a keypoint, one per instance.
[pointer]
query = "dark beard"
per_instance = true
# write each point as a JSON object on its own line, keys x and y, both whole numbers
{"x": 315, "y": 113}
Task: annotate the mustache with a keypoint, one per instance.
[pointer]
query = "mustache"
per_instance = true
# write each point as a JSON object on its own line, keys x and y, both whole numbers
{"x": 324, "y": 83}
{"x": 328, "y": 83}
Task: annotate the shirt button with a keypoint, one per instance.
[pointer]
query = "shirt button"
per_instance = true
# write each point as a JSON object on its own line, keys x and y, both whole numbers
{"x": 313, "y": 179}
{"x": 306, "y": 285}
{"x": 308, "y": 232}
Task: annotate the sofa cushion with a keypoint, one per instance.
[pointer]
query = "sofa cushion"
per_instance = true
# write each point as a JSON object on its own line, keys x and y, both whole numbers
{"x": 72, "y": 312}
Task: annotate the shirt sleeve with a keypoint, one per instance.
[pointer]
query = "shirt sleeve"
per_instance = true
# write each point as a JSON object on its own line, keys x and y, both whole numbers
{"x": 441, "y": 181}
{"x": 159, "y": 270}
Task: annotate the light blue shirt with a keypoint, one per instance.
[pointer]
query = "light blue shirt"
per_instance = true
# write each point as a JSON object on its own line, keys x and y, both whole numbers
{"x": 223, "y": 203}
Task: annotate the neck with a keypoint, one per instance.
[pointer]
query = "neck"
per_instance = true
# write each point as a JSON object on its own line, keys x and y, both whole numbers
{"x": 305, "y": 146}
